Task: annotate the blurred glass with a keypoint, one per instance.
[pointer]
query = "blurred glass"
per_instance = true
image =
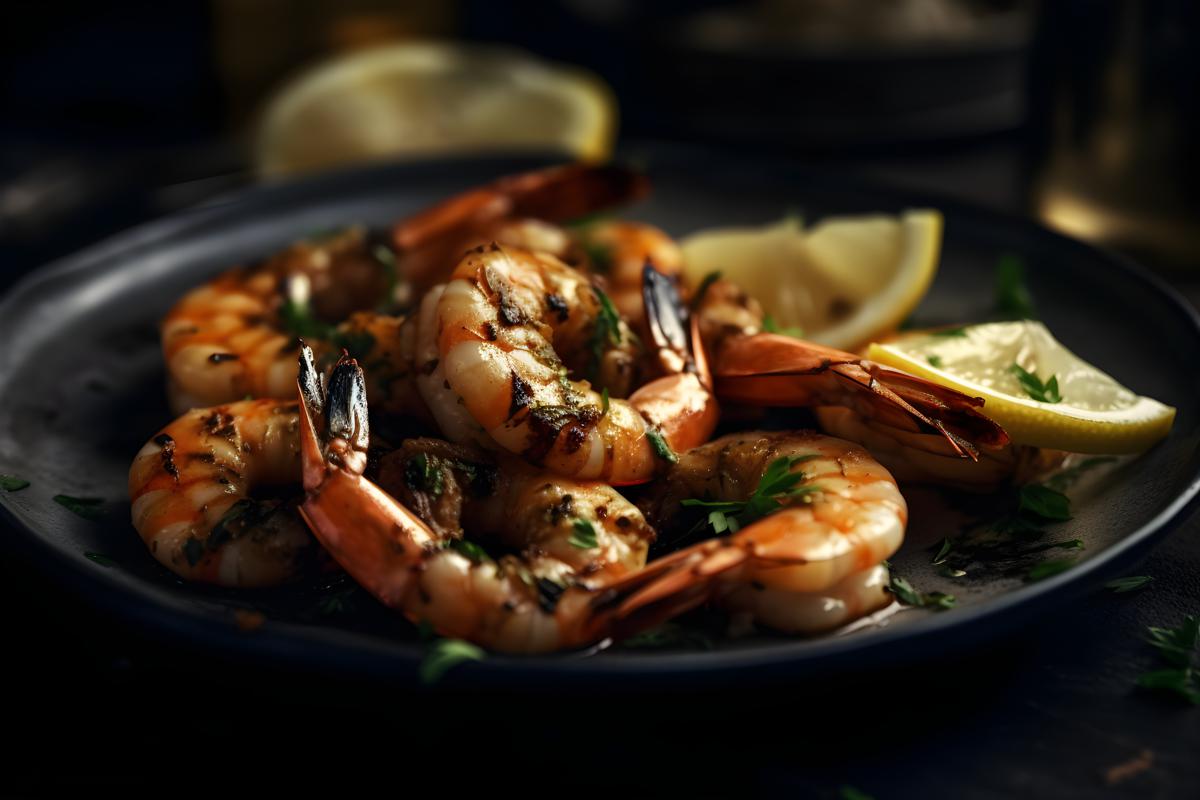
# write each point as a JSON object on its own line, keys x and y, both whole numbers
{"x": 1115, "y": 96}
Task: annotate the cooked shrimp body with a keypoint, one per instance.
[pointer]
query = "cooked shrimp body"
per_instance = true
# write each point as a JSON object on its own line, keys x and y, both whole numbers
{"x": 507, "y": 323}
{"x": 515, "y": 210}
{"x": 766, "y": 369}
{"x": 563, "y": 530}
{"x": 620, "y": 250}
{"x": 845, "y": 516}
{"x": 225, "y": 340}
{"x": 548, "y": 598}
{"x": 807, "y": 613}
{"x": 192, "y": 488}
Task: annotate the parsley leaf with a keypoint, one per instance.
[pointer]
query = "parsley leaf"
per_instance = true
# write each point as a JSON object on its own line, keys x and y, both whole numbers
{"x": 584, "y": 536}
{"x": 1048, "y": 568}
{"x": 444, "y": 655}
{"x": 703, "y": 288}
{"x": 100, "y": 559}
{"x": 778, "y": 482}
{"x": 909, "y": 596}
{"x": 934, "y": 361}
{"x": 1130, "y": 584}
{"x": 606, "y": 331}
{"x": 1013, "y": 299}
{"x": 1044, "y": 502}
{"x": 86, "y": 507}
{"x": 604, "y": 401}
{"x": 471, "y": 550}
{"x": 1032, "y": 385}
{"x": 1176, "y": 646}
{"x": 661, "y": 448}
{"x": 11, "y": 483}
{"x": 959, "y": 332}
{"x": 771, "y": 326}
{"x": 669, "y": 634}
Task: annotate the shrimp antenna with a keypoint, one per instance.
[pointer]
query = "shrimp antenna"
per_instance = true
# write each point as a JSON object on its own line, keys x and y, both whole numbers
{"x": 667, "y": 318}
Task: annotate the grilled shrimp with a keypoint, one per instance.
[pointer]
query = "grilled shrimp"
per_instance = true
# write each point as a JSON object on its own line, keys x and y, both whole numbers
{"x": 931, "y": 432}
{"x": 806, "y": 558}
{"x": 506, "y": 325}
{"x": 226, "y": 340}
{"x": 620, "y": 250}
{"x": 560, "y": 592}
{"x": 191, "y": 490}
{"x": 516, "y": 210}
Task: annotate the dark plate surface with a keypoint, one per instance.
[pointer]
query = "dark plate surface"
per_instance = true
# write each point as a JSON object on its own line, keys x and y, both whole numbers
{"x": 81, "y": 389}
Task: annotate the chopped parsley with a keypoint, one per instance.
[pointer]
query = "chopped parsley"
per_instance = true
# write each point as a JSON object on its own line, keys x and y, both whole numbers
{"x": 11, "y": 483}
{"x": 959, "y": 332}
{"x": 607, "y": 331}
{"x": 909, "y": 596}
{"x": 1049, "y": 568}
{"x": 1044, "y": 502}
{"x": 424, "y": 473}
{"x": 604, "y": 401}
{"x": 704, "y": 286}
{"x": 669, "y": 634}
{"x": 1178, "y": 648}
{"x": 778, "y": 483}
{"x": 1129, "y": 584}
{"x": 771, "y": 326}
{"x": 584, "y": 536}
{"x": 471, "y": 550}
{"x": 934, "y": 361}
{"x": 86, "y": 507}
{"x": 661, "y": 448}
{"x": 445, "y": 654}
{"x": 100, "y": 559}
{"x": 1013, "y": 300}
{"x": 1042, "y": 392}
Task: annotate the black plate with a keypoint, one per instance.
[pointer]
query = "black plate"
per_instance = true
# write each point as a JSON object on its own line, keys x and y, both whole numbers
{"x": 81, "y": 389}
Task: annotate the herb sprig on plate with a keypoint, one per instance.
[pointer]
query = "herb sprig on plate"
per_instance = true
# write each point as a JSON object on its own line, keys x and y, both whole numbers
{"x": 777, "y": 484}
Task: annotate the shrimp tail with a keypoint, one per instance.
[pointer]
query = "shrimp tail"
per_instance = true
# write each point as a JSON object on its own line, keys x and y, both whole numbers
{"x": 425, "y": 241}
{"x": 768, "y": 369}
{"x": 372, "y": 536}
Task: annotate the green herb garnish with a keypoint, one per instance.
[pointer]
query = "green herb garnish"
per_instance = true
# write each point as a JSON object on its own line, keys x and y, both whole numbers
{"x": 943, "y": 551}
{"x": 909, "y": 596}
{"x": 1130, "y": 584}
{"x": 1042, "y": 392}
{"x": 703, "y": 288}
{"x": 599, "y": 255}
{"x": 1049, "y": 568}
{"x": 661, "y": 448}
{"x": 100, "y": 559}
{"x": 11, "y": 483}
{"x": 471, "y": 550}
{"x": 777, "y": 484}
{"x": 1044, "y": 502}
{"x": 445, "y": 654}
{"x": 1013, "y": 299}
{"x": 958, "y": 333}
{"x": 607, "y": 330}
{"x": 669, "y": 634}
{"x": 604, "y": 400}
{"x": 847, "y": 792}
{"x": 1176, "y": 646}
{"x": 771, "y": 326}
{"x": 934, "y": 361}
{"x": 584, "y": 536}
{"x": 387, "y": 259}
{"x": 86, "y": 507}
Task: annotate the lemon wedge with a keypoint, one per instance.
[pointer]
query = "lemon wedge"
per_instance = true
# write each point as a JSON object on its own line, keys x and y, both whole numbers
{"x": 1093, "y": 413}
{"x": 842, "y": 282}
{"x": 434, "y": 99}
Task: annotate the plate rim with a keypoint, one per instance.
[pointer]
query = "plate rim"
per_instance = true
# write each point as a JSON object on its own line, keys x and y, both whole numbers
{"x": 342, "y": 650}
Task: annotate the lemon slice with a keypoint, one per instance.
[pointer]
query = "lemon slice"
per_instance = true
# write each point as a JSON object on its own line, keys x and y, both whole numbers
{"x": 842, "y": 282}
{"x": 1095, "y": 414}
{"x": 434, "y": 99}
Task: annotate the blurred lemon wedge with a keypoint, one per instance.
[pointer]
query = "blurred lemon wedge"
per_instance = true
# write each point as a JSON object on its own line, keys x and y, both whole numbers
{"x": 1051, "y": 398}
{"x": 434, "y": 99}
{"x": 842, "y": 282}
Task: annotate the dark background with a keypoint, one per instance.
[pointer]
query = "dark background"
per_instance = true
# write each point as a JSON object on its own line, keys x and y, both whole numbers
{"x": 113, "y": 114}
